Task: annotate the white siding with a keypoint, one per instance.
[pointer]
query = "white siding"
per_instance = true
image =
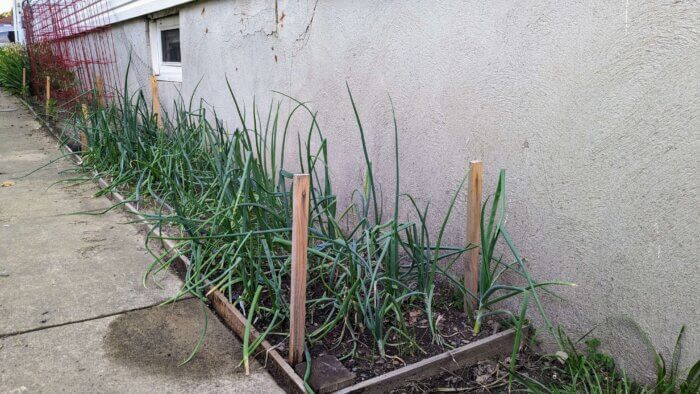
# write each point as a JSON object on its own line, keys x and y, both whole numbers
{"x": 121, "y": 10}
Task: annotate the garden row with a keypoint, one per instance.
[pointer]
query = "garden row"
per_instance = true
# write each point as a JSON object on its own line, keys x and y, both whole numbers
{"x": 376, "y": 288}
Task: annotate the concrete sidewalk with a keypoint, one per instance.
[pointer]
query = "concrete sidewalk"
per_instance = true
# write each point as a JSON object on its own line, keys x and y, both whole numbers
{"x": 74, "y": 315}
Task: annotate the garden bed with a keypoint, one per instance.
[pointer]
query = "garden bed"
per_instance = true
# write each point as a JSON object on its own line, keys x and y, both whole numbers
{"x": 414, "y": 352}
{"x": 373, "y": 374}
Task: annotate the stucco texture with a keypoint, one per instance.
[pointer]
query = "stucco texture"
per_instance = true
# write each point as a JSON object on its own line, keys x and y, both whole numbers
{"x": 592, "y": 107}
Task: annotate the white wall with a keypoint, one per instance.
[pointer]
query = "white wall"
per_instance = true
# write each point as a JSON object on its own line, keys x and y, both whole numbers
{"x": 591, "y": 107}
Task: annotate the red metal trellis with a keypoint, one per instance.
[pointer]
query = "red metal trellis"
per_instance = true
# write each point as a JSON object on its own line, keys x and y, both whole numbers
{"x": 71, "y": 42}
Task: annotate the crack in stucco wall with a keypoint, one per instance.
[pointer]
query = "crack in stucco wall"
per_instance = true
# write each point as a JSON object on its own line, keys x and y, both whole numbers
{"x": 302, "y": 39}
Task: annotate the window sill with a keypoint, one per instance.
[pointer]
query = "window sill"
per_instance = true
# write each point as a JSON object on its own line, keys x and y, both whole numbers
{"x": 168, "y": 78}
{"x": 170, "y": 74}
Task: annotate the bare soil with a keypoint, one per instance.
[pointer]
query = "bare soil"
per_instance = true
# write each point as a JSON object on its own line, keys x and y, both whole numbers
{"x": 361, "y": 356}
{"x": 488, "y": 376}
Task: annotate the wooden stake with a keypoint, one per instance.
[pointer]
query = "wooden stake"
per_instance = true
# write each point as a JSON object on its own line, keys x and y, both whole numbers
{"x": 83, "y": 136}
{"x": 24, "y": 81}
{"x": 48, "y": 94}
{"x": 98, "y": 85}
{"x": 471, "y": 269}
{"x": 300, "y": 240}
{"x": 156, "y": 100}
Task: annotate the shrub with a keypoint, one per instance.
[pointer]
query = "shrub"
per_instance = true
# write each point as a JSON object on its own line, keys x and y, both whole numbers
{"x": 13, "y": 59}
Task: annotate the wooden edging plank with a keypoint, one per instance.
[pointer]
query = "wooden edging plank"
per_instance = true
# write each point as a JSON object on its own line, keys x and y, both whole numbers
{"x": 231, "y": 317}
{"x": 236, "y": 322}
{"x": 495, "y": 345}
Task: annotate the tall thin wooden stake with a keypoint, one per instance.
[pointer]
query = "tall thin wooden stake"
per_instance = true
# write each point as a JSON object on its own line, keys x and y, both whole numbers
{"x": 24, "y": 81}
{"x": 83, "y": 136}
{"x": 300, "y": 240}
{"x": 48, "y": 94}
{"x": 471, "y": 269}
{"x": 156, "y": 100}
{"x": 98, "y": 85}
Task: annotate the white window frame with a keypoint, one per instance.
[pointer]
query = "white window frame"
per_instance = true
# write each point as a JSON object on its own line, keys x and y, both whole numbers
{"x": 164, "y": 71}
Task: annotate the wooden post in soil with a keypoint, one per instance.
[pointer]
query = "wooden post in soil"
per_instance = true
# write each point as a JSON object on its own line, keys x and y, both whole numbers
{"x": 156, "y": 100}
{"x": 471, "y": 269}
{"x": 98, "y": 86}
{"x": 300, "y": 240}
{"x": 83, "y": 136}
{"x": 48, "y": 94}
{"x": 24, "y": 81}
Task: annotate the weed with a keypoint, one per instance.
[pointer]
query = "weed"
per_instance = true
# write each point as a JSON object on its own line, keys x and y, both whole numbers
{"x": 591, "y": 371}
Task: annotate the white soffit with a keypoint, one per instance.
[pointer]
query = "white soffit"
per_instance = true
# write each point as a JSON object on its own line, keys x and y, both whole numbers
{"x": 99, "y": 14}
{"x": 122, "y": 10}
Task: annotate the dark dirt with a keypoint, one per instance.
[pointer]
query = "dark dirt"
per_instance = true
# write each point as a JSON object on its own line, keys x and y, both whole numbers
{"x": 161, "y": 346}
{"x": 490, "y": 376}
{"x": 367, "y": 363}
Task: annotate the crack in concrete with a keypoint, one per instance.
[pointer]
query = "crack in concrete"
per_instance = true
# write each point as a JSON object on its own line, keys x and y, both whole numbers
{"x": 102, "y": 316}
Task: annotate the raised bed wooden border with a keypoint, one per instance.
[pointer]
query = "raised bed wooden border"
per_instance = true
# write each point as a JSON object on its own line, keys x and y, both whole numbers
{"x": 499, "y": 344}
{"x": 495, "y": 345}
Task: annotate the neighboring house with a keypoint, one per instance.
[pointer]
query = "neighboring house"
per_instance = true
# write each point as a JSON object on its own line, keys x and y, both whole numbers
{"x": 5, "y": 32}
{"x": 591, "y": 107}
{"x": 5, "y": 28}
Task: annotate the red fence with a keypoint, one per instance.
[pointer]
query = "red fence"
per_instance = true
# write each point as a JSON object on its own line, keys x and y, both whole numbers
{"x": 70, "y": 42}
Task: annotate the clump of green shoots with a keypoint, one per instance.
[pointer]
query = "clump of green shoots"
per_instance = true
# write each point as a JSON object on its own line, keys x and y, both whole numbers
{"x": 586, "y": 369}
{"x": 492, "y": 288}
{"x": 228, "y": 195}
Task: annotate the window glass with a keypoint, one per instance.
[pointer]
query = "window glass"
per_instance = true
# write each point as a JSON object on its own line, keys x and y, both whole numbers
{"x": 170, "y": 42}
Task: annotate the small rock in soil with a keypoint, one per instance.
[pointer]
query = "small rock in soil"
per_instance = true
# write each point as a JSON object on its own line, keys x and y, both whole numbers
{"x": 483, "y": 379}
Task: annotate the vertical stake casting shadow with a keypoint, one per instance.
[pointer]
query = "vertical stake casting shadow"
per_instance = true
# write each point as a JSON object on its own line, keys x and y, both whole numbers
{"x": 300, "y": 241}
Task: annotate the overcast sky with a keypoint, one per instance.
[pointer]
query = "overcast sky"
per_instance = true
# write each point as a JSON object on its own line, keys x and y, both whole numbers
{"x": 5, "y": 5}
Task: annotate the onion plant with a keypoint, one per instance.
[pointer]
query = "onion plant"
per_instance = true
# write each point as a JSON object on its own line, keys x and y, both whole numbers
{"x": 228, "y": 195}
{"x": 492, "y": 288}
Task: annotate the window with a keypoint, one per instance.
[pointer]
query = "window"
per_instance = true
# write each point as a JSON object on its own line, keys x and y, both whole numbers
{"x": 170, "y": 40}
{"x": 165, "y": 49}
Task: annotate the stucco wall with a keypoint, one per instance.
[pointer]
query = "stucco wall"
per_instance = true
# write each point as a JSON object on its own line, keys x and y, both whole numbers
{"x": 133, "y": 56}
{"x": 592, "y": 107}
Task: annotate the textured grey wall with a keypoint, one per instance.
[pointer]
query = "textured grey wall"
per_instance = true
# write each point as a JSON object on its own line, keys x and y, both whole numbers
{"x": 592, "y": 107}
